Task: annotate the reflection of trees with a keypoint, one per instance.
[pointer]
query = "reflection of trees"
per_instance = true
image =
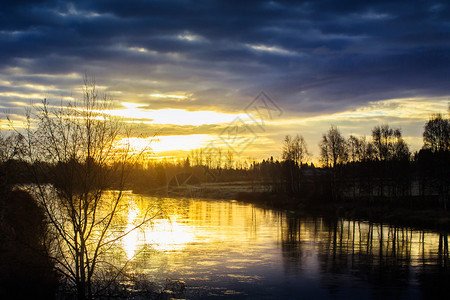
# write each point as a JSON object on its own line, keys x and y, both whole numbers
{"x": 386, "y": 257}
{"x": 291, "y": 245}
{"x": 435, "y": 275}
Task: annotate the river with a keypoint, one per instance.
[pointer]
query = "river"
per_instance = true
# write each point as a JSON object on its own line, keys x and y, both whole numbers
{"x": 232, "y": 250}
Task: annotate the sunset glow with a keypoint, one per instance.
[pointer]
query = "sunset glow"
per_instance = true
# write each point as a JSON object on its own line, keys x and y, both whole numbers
{"x": 172, "y": 116}
{"x": 166, "y": 143}
{"x": 407, "y": 113}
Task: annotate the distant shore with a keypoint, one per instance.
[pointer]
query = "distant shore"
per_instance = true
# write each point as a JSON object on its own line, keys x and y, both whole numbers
{"x": 359, "y": 209}
{"x": 427, "y": 218}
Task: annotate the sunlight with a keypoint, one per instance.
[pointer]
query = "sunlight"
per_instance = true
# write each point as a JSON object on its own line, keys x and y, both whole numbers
{"x": 180, "y": 142}
{"x": 167, "y": 96}
{"x": 165, "y": 143}
{"x": 406, "y": 109}
{"x": 173, "y": 116}
{"x": 162, "y": 235}
{"x": 184, "y": 117}
{"x": 138, "y": 49}
{"x": 130, "y": 105}
{"x": 22, "y": 95}
{"x": 168, "y": 235}
{"x": 130, "y": 241}
{"x": 271, "y": 49}
{"x": 190, "y": 37}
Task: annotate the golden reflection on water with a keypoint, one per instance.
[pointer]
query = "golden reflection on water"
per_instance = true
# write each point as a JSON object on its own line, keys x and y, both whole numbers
{"x": 226, "y": 243}
{"x": 162, "y": 234}
{"x": 168, "y": 235}
{"x": 131, "y": 240}
{"x": 190, "y": 221}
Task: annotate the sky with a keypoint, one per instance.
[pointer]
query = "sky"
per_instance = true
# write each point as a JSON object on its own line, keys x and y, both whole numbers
{"x": 234, "y": 75}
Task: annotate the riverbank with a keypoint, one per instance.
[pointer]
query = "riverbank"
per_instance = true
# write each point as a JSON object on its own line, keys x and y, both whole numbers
{"x": 407, "y": 214}
{"x": 363, "y": 210}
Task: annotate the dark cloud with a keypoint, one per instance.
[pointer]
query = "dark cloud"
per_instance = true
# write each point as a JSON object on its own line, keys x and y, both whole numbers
{"x": 313, "y": 55}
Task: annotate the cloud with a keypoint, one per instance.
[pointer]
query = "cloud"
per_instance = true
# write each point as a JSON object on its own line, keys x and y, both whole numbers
{"x": 315, "y": 57}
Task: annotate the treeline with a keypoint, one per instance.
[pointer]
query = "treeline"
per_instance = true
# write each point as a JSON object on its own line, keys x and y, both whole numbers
{"x": 380, "y": 168}
{"x": 156, "y": 176}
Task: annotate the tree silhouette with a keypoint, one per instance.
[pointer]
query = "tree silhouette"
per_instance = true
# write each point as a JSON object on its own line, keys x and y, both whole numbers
{"x": 436, "y": 135}
{"x": 389, "y": 144}
{"x": 75, "y": 160}
{"x": 333, "y": 148}
{"x": 295, "y": 151}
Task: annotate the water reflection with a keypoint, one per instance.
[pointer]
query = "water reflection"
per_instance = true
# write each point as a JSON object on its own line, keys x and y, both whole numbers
{"x": 233, "y": 250}
{"x": 394, "y": 261}
{"x": 131, "y": 240}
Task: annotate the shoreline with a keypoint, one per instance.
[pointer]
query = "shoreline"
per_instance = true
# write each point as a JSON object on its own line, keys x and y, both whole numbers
{"x": 359, "y": 210}
{"x": 395, "y": 215}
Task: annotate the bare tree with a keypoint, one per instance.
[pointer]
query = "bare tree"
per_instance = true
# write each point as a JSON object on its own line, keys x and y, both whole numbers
{"x": 389, "y": 144}
{"x": 229, "y": 161}
{"x": 359, "y": 149}
{"x": 333, "y": 148}
{"x": 436, "y": 138}
{"x": 75, "y": 161}
{"x": 400, "y": 150}
{"x": 393, "y": 153}
{"x": 10, "y": 146}
{"x": 219, "y": 159}
{"x": 295, "y": 149}
{"x": 324, "y": 151}
{"x": 381, "y": 136}
{"x": 436, "y": 135}
{"x": 295, "y": 152}
{"x": 333, "y": 152}
{"x": 354, "y": 149}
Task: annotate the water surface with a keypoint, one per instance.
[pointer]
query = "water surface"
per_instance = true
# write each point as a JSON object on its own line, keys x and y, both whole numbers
{"x": 227, "y": 249}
